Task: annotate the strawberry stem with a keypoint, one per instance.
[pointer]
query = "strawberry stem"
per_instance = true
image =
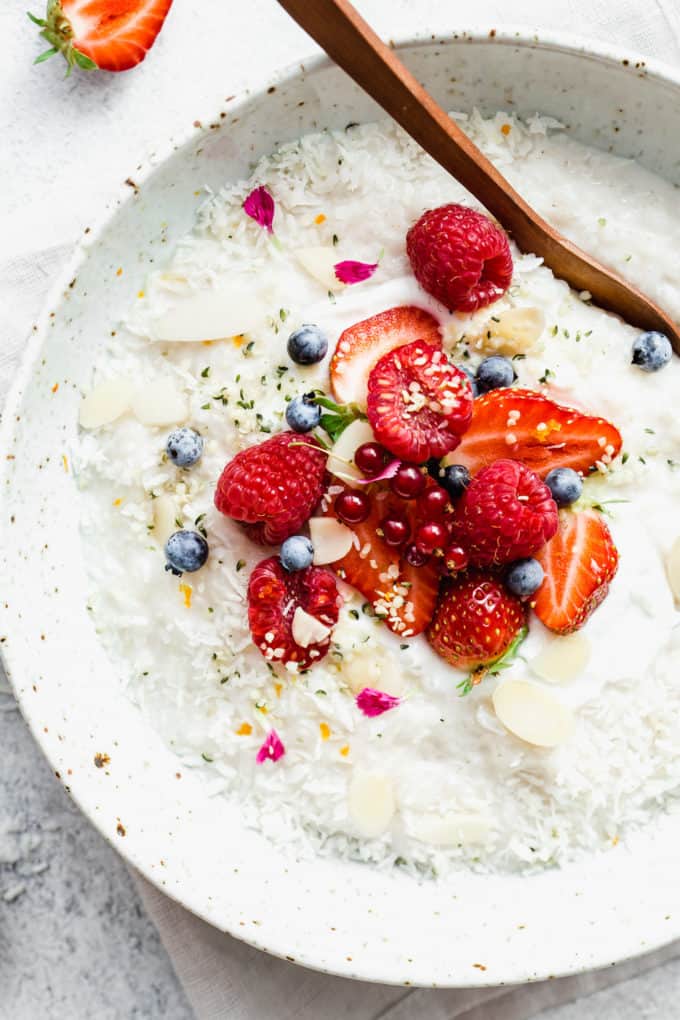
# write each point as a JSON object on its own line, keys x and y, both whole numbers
{"x": 504, "y": 661}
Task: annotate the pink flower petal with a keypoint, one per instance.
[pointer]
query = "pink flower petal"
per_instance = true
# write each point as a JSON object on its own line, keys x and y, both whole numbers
{"x": 272, "y": 749}
{"x": 387, "y": 472}
{"x": 259, "y": 205}
{"x": 372, "y": 702}
{"x": 354, "y": 272}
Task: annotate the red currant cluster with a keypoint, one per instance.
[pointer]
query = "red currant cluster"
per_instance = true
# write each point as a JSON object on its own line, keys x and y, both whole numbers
{"x": 408, "y": 483}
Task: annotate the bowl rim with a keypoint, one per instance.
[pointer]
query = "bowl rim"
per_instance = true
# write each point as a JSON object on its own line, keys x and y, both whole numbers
{"x": 502, "y": 34}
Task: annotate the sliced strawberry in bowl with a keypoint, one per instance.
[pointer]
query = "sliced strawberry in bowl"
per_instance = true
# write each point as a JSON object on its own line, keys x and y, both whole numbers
{"x": 291, "y": 615}
{"x": 579, "y": 564}
{"x": 419, "y": 404}
{"x": 362, "y": 345}
{"x": 476, "y": 622}
{"x": 525, "y": 425}
{"x": 401, "y": 594}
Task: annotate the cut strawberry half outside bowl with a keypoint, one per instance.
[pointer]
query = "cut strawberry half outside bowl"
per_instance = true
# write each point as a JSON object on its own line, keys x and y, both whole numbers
{"x": 336, "y": 916}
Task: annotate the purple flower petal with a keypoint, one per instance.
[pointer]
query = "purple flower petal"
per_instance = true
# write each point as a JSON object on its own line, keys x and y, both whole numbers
{"x": 387, "y": 472}
{"x": 372, "y": 702}
{"x": 272, "y": 749}
{"x": 354, "y": 272}
{"x": 259, "y": 205}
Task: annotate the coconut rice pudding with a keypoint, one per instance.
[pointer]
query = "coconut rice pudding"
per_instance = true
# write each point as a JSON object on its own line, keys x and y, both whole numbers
{"x": 380, "y": 516}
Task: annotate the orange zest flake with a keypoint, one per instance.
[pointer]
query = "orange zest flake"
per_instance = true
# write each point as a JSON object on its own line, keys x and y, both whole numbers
{"x": 64, "y": 461}
{"x": 506, "y": 129}
{"x": 278, "y": 688}
{"x": 187, "y": 592}
{"x": 207, "y": 343}
{"x": 615, "y": 841}
{"x": 117, "y": 502}
{"x": 244, "y": 730}
{"x": 119, "y": 271}
{"x": 320, "y": 219}
{"x": 344, "y": 751}
{"x": 238, "y": 340}
{"x": 325, "y": 730}
{"x": 140, "y": 293}
{"x": 55, "y": 387}
{"x": 544, "y": 429}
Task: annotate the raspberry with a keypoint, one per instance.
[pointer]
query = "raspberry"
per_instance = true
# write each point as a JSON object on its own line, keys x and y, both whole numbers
{"x": 273, "y": 598}
{"x": 273, "y": 488}
{"x": 418, "y": 404}
{"x": 506, "y": 513}
{"x": 460, "y": 257}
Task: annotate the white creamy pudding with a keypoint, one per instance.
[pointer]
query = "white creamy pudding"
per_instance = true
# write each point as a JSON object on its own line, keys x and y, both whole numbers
{"x": 576, "y": 737}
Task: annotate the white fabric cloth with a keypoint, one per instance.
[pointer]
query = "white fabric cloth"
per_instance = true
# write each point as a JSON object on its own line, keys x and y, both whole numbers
{"x": 224, "y": 978}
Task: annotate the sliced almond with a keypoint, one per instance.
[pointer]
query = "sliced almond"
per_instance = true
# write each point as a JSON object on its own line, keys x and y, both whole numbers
{"x": 165, "y": 513}
{"x": 307, "y": 630}
{"x": 341, "y": 459}
{"x": 673, "y": 569}
{"x": 228, "y": 309}
{"x": 563, "y": 659}
{"x": 532, "y": 714}
{"x": 331, "y": 539}
{"x": 105, "y": 403}
{"x": 160, "y": 403}
{"x": 320, "y": 262}
{"x": 373, "y": 668}
{"x": 370, "y": 802}
{"x": 451, "y": 829}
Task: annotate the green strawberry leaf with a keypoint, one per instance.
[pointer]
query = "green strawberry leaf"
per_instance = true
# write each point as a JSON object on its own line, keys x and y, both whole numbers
{"x": 84, "y": 62}
{"x": 504, "y": 661}
{"x": 46, "y": 55}
{"x": 340, "y": 416}
{"x": 40, "y": 22}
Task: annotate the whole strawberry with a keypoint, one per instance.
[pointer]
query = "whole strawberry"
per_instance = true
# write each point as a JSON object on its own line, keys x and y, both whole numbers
{"x": 506, "y": 513}
{"x": 276, "y": 599}
{"x": 476, "y": 621}
{"x": 460, "y": 257}
{"x": 273, "y": 487}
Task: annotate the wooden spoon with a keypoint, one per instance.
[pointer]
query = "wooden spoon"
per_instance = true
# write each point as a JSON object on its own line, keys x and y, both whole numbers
{"x": 339, "y": 29}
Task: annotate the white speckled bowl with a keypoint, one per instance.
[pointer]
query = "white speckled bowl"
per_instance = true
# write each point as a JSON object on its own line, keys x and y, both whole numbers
{"x": 334, "y": 916}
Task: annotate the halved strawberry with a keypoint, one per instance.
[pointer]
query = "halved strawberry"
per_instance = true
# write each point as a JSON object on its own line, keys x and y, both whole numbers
{"x": 361, "y": 345}
{"x": 419, "y": 404}
{"x": 402, "y": 595}
{"x": 524, "y": 425}
{"x": 106, "y": 35}
{"x": 579, "y": 564}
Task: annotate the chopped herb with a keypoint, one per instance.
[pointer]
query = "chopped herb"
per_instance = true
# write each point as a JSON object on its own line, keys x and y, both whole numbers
{"x": 588, "y": 332}
{"x": 283, "y": 314}
{"x": 555, "y": 330}
{"x": 248, "y": 349}
{"x": 404, "y": 647}
{"x": 494, "y": 318}
{"x": 280, "y": 369}
{"x": 642, "y": 460}
{"x": 206, "y": 372}
{"x": 628, "y": 258}
{"x": 206, "y": 757}
{"x": 624, "y": 457}
{"x": 265, "y": 428}
{"x": 180, "y": 524}
{"x": 546, "y": 376}
{"x": 672, "y": 463}
{"x": 354, "y": 613}
{"x": 367, "y": 609}
{"x": 650, "y": 432}
{"x": 237, "y": 378}
{"x": 240, "y": 564}
{"x": 206, "y": 407}
{"x": 602, "y": 221}
{"x": 518, "y": 357}
{"x": 320, "y": 693}
{"x": 331, "y": 297}
{"x": 566, "y": 333}
{"x": 335, "y": 239}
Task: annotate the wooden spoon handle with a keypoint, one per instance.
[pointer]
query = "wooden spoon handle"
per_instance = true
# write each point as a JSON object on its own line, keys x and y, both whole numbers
{"x": 340, "y": 30}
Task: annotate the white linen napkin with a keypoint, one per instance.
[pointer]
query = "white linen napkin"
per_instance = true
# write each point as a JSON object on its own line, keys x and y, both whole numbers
{"x": 224, "y": 978}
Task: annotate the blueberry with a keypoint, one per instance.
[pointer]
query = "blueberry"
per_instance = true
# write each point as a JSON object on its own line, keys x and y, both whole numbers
{"x": 296, "y": 553}
{"x": 455, "y": 480}
{"x": 184, "y": 447}
{"x": 651, "y": 351}
{"x": 302, "y": 414}
{"x": 524, "y": 577}
{"x": 472, "y": 378}
{"x": 185, "y": 552}
{"x": 565, "y": 485}
{"x": 307, "y": 345}
{"x": 494, "y": 372}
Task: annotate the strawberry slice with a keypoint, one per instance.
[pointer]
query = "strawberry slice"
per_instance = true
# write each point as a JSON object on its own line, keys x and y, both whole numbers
{"x": 106, "y": 35}
{"x": 528, "y": 426}
{"x": 579, "y": 564}
{"x": 361, "y": 345}
{"x": 402, "y": 595}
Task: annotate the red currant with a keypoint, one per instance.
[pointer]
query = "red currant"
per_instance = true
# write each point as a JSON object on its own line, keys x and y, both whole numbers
{"x": 434, "y": 503}
{"x": 408, "y": 482}
{"x": 431, "y": 536}
{"x": 395, "y": 530}
{"x": 370, "y": 459}
{"x": 455, "y": 558}
{"x": 352, "y": 507}
{"x": 414, "y": 556}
